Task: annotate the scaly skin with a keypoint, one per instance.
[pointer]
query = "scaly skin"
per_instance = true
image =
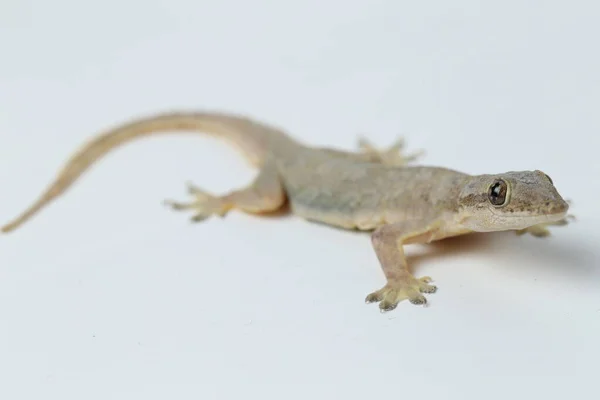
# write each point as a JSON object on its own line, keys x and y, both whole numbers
{"x": 368, "y": 190}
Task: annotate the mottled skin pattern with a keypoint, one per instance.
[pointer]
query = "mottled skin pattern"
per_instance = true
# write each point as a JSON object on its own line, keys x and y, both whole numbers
{"x": 368, "y": 190}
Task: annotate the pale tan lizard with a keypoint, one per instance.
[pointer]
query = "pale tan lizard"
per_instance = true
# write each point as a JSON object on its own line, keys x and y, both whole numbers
{"x": 369, "y": 190}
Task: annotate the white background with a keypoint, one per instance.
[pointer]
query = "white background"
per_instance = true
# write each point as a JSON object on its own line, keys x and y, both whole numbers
{"x": 108, "y": 295}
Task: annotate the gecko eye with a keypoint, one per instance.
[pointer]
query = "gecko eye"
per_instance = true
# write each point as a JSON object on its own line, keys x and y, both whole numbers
{"x": 550, "y": 179}
{"x": 497, "y": 192}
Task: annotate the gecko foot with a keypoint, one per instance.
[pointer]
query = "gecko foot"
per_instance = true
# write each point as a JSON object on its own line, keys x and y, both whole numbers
{"x": 204, "y": 205}
{"x": 392, "y": 155}
{"x": 396, "y": 290}
{"x": 541, "y": 230}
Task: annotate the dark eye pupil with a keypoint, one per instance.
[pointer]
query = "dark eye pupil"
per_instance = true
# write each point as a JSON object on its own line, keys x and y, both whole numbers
{"x": 497, "y": 193}
{"x": 496, "y": 190}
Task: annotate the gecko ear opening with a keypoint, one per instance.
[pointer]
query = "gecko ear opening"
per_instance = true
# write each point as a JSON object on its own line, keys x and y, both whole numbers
{"x": 498, "y": 193}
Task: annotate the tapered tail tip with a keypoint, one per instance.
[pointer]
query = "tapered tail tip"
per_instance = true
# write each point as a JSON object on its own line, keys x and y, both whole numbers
{"x": 5, "y": 229}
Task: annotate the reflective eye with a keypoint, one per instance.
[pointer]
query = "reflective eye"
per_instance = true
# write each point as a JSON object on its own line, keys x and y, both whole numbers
{"x": 497, "y": 192}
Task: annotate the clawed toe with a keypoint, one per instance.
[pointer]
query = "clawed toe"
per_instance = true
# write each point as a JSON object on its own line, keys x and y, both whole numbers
{"x": 418, "y": 300}
{"x": 386, "y": 306}
{"x": 197, "y": 192}
{"x": 428, "y": 289}
{"x": 424, "y": 287}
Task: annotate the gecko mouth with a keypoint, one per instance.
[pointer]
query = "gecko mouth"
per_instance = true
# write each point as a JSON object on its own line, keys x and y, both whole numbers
{"x": 551, "y": 216}
{"x": 520, "y": 221}
{"x": 552, "y": 211}
{"x": 558, "y": 210}
{"x": 547, "y": 216}
{"x": 557, "y": 215}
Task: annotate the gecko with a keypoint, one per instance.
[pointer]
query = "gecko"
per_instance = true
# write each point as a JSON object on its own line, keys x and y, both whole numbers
{"x": 379, "y": 191}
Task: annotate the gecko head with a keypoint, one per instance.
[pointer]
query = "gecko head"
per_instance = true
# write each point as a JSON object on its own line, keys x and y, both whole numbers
{"x": 510, "y": 201}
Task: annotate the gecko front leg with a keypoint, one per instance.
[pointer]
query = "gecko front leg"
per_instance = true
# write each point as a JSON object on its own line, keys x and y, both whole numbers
{"x": 388, "y": 242}
{"x": 392, "y": 155}
{"x": 541, "y": 230}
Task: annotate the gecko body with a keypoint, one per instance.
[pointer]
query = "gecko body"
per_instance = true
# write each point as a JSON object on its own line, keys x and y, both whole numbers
{"x": 369, "y": 190}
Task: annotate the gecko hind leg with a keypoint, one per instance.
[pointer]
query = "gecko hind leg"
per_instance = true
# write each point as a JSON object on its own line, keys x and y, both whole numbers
{"x": 265, "y": 194}
{"x": 204, "y": 204}
{"x": 392, "y": 155}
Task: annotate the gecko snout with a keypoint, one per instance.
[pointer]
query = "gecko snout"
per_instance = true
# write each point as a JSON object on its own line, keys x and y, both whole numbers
{"x": 560, "y": 206}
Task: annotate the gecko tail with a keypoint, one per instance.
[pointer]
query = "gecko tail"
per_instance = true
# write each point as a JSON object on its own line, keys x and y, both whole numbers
{"x": 45, "y": 199}
{"x": 252, "y": 138}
